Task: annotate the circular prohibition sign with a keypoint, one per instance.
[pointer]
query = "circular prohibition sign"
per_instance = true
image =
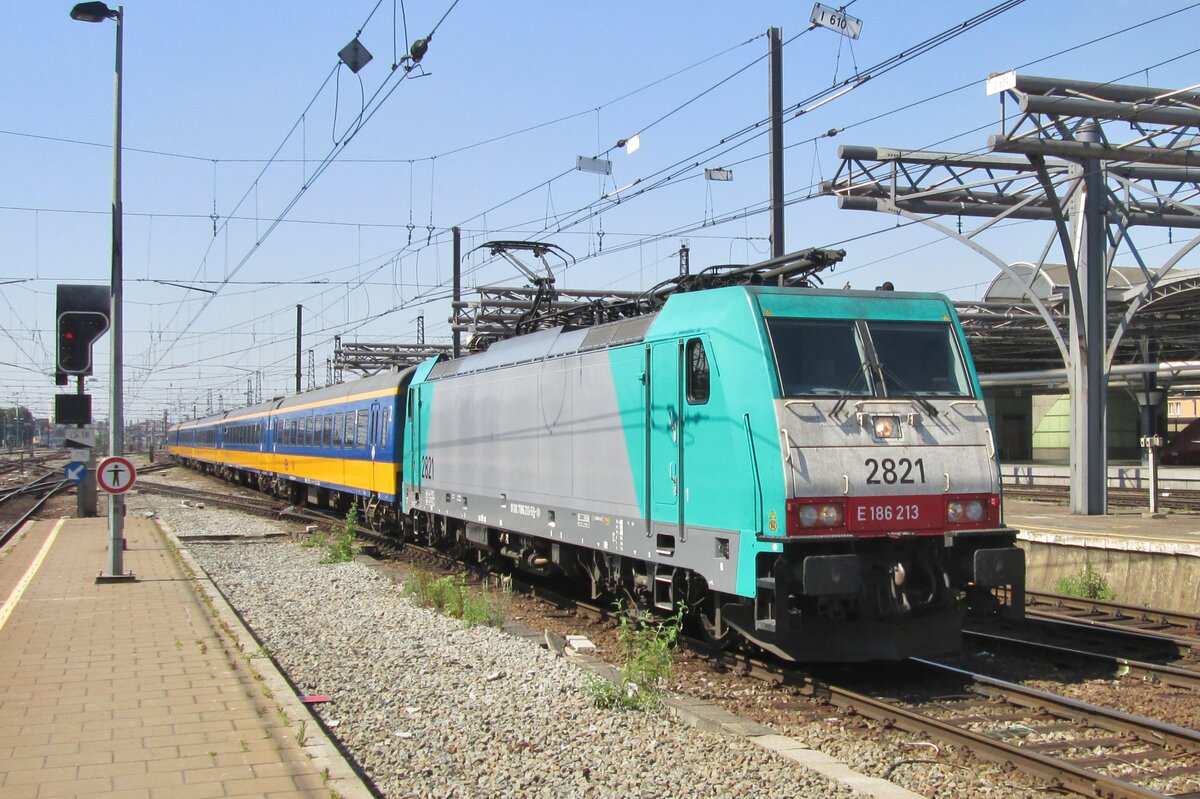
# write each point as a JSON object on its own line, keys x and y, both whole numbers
{"x": 115, "y": 475}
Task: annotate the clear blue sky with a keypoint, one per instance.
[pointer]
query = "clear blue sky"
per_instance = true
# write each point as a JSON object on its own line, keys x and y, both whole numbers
{"x": 210, "y": 97}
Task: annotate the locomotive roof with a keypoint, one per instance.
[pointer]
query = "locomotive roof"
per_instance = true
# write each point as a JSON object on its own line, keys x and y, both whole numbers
{"x": 560, "y": 341}
{"x": 545, "y": 344}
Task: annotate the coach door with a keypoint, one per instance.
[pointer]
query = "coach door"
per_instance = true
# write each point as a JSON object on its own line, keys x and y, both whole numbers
{"x": 664, "y": 438}
{"x": 373, "y": 446}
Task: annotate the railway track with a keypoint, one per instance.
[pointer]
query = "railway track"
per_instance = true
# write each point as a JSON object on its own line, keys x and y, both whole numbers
{"x": 1090, "y": 750}
{"x": 269, "y": 506}
{"x": 41, "y": 489}
{"x": 11, "y": 462}
{"x": 1176, "y": 499}
{"x": 1073, "y": 745}
{"x": 1115, "y": 616}
{"x": 1183, "y": 673}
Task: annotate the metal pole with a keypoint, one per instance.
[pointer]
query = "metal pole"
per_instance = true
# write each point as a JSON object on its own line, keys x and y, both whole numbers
{"x": 1089, "y": 383}
{"x": 775, "y": 40}
{"x": 299, "y": 331}
{"x": 85, "y": 500}
{"x": 1153, "y": 452}
{"x": 116, "y": 420}
{"x": 457, "y": 339}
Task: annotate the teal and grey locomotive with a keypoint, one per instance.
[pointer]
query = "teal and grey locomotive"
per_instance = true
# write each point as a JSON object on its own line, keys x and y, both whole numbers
{"x": 809, "y": 470}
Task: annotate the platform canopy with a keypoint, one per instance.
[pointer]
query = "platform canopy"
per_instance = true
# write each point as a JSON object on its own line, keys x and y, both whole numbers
{"x": 1007, "y": 334}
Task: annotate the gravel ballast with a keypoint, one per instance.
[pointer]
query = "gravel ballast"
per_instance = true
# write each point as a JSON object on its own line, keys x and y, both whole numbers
{"x": 431, "y": 708}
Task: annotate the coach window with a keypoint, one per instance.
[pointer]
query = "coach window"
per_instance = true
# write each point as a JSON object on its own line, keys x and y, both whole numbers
{"x": 697, "y": 373}
{"x": 361, "y": 436}
{"x": 338, "y": 421}
{"x": 383, "y": 432}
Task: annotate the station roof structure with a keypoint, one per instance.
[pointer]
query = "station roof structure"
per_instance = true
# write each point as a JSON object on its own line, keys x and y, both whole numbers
{"x": 1007, "y": 334}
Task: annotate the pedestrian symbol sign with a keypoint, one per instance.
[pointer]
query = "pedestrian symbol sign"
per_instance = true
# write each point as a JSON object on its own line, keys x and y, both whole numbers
{"x": 115, "y": 475}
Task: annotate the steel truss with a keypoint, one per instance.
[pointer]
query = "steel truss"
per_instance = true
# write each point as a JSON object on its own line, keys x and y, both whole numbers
{"x": 369, "y": 358}
{"x": 1098, "y": 161}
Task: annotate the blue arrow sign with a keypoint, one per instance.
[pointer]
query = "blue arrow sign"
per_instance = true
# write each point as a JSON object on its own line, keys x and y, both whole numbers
{"x": 76, "y": 471}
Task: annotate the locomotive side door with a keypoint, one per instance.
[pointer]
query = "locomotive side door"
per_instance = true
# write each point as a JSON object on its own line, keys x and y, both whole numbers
{"x": 412, "y": 465}
{"x": 664, "y": 438}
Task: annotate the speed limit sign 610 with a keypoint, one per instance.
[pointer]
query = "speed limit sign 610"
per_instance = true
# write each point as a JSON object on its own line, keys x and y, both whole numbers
{"x": 115, "y": 475}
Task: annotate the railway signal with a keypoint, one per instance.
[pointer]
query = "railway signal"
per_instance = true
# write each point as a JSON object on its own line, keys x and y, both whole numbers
{"x": 83, "y": 316}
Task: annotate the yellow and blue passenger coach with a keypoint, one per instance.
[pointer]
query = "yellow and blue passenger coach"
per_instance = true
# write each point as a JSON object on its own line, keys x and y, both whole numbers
{"x": 327, "y": 447}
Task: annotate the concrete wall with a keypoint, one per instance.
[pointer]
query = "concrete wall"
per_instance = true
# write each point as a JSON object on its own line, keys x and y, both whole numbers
{"x": 1052, "y": 423}
{"x": 1146, "y": 578}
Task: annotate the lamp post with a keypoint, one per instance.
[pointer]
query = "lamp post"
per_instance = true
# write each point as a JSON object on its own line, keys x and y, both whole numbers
{"x": 98, "y": 12}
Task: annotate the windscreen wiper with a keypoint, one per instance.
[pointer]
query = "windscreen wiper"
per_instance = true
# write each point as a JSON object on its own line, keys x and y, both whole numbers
{"x": 890, "y": 377}
{"x": 845, "y": 392}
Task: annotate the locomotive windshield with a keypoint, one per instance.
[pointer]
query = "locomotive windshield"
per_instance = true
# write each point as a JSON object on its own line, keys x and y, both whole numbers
{"x": 848, "y": 358}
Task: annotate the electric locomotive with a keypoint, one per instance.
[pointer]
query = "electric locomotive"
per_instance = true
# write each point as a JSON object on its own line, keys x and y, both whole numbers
{"x": 810, "y": 470}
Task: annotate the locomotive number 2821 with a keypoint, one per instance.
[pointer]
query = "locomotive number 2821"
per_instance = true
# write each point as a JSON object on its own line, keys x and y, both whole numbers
{"x": 891, "y": 471}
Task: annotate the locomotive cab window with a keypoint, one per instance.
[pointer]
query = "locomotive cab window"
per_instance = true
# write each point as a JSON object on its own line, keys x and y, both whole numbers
{"x": 819, "y": 357}
{"x": 698, "y": 375}
{"x": 921, "y": 358}
{"x": 848, "y": 358}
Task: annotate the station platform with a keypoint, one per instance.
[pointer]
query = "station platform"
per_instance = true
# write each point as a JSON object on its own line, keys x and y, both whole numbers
{"x": 144, "y": 688}
{"x": 1152, "y": 561}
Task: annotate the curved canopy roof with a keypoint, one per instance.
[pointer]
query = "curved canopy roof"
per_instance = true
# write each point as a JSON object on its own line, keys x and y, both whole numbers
{"x": 1007, "y": 334}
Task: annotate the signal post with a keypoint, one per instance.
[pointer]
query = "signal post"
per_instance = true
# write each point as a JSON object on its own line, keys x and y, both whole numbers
{"x": 84, "y": 315}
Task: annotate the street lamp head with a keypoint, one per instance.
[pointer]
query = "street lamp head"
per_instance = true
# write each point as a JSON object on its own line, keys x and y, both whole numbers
{"x": 92, "y": 12}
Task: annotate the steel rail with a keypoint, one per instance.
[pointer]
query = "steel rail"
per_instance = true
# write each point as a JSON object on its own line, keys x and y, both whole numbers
{"x": 1065, "y": 773}
{"x": 1183, "y": 499}
{"x": 8, "y": 534}
{"x": 243, "y": 503}
{"x": 31, "y": 486}
{"x": 1159, "y": 673}
{"x": 1184, "y": 627}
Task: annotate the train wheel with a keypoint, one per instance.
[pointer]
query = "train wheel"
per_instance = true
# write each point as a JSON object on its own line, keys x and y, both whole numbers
{"x": 704, "y": 621}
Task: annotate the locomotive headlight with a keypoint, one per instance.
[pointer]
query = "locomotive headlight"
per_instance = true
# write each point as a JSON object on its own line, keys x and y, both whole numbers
{"x": 974, "y": 510}
{"x": 954, "y": 512}
{"x": 803, "y": 517}
{"x": 887, "y": 426}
